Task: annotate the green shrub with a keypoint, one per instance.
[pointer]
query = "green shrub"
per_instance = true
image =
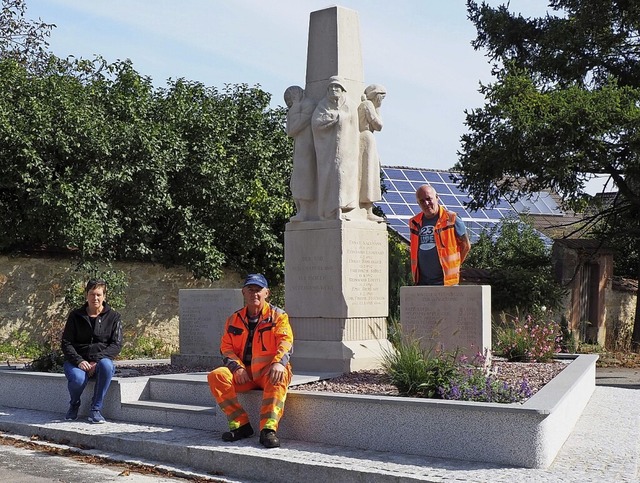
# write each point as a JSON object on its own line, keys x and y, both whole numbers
{"x": 50, "y": 361}
{"x": 20, "y": 345}
{"x": 414, "y": 371}
{"x": 146, "y": 348}
{"x": 527, "y": 340}
{"x": 520, "y": 266}
{"x": 419, "y": 372}
{"x": 116, "y": 285}
{"x": 569, "y": 342}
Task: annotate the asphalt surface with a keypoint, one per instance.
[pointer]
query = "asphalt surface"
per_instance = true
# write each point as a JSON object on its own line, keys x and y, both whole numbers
{"x": 24, "y": 465}
{"x": 618, "y": 377}
{"x": 604, "y": 447}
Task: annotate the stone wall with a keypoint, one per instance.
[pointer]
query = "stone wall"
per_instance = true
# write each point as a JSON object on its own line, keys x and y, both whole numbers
{"x": 32, "y": 292}
{"x": 620, "y": 309}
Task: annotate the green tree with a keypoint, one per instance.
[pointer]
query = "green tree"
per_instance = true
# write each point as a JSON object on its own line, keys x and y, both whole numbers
{"x": 23, "y": 40}
{"x": 565, "y": 106}
{"x": 101, "y": 163}
{"x": 520, "y": 266}
{"x": 399, "y": 271}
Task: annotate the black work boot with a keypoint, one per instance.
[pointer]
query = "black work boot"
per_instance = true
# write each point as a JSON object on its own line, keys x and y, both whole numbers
{"x": 242, "y": 432}
{"x": 268, "y": 438}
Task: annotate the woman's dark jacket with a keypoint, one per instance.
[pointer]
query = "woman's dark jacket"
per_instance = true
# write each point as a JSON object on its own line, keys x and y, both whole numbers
{"x": 81, "y": 342}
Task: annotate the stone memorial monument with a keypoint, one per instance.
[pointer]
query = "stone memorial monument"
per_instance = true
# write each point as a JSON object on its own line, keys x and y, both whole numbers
{"x": 202, "y": 314}
{"x": 336, "y": 252}
{"x": 448, "y": 318}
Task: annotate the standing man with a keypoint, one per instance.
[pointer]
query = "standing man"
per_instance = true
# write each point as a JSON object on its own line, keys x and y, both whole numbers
{"x": 439, "y": 241}
{"x": 256, "y": 345}
{"x": 91, "y": 340}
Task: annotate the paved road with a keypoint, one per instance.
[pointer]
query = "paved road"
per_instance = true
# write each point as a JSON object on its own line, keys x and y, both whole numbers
{"x": 618, "y": 377}
{"x": 19, "y": 464}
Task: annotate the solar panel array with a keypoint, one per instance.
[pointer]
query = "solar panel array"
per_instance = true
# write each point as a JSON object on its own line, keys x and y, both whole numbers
{"x": 399, "y": 202}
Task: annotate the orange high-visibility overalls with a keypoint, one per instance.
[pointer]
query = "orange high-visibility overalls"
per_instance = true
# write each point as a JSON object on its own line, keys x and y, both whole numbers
{"x": 272, "y": 343}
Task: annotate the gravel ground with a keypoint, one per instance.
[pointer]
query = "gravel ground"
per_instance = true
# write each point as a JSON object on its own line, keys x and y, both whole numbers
{"x": 375, "y": 382}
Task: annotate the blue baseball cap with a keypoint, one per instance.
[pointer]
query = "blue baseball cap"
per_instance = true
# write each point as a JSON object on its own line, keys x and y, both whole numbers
{"x": 256, "y": 279}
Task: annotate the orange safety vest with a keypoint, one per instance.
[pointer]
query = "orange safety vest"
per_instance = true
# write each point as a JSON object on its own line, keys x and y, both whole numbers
{"x": 446, "y": 244}
{"x": 272, "y": 340}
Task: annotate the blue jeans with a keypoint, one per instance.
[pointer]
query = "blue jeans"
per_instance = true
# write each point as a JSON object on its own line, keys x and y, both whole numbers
{"x": 78, "y": 380}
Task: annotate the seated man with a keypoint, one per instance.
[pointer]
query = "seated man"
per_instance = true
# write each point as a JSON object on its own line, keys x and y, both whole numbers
{"x": 91, "y": 339}
{"x": 256, "y": 346}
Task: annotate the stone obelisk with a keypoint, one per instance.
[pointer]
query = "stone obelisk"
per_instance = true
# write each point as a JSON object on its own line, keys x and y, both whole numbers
{"x": 336, "y": 267}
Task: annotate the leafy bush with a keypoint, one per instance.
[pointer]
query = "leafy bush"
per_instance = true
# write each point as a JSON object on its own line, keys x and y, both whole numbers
{"x": 116, "y": 285}
{"x": 419, "y": 372}
{"x": 399, "y": 271}
{"x": 145, "y": 348}
{"x": 50, "y": 361}
{"x": 526, "y": 340}
{"x": 520, "y": 266}
{"x": 20, "y": 345}
{"x": 414, "y": 371}
{"x": 569, "y": 343}
{"x": 474, "y": 383}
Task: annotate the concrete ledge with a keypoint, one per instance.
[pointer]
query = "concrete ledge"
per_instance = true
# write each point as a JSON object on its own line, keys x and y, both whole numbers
{"x": 526, "y": 435}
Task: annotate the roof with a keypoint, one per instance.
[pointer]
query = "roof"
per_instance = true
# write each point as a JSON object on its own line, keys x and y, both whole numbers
{"x": 586, "y": 244}
{"x": 399, "y": 201}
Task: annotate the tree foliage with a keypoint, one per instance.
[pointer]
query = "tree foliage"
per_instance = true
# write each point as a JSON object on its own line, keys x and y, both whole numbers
{"x": 565, "y": 106}
{"x": 520, "y": 267}
{"x": 98, "y": 161}
{"x": 21, "y": 39}
{"x": 399, "y": 272}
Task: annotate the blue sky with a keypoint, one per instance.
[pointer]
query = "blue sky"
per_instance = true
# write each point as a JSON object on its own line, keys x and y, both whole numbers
{"x": 418, "y": 49}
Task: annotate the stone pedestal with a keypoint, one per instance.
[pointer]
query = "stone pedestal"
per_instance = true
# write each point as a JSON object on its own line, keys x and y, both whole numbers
{"x": 336, "y": 292}
{"x": 448, "y": 318}
{"x": 203, "y": 313}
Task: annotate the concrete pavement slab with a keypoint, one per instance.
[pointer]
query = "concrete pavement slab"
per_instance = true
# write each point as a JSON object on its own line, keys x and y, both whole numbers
{"x": 603, "y": 448}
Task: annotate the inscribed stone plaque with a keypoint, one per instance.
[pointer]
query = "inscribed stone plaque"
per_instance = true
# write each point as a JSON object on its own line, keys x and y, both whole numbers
{"x": 336, "y": 269}
{"x": 448, "y": 318}
{"x": 203, "y": 313}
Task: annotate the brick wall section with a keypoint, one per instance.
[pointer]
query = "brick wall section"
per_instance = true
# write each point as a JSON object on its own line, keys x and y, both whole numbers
{"x": 32, "y": 292}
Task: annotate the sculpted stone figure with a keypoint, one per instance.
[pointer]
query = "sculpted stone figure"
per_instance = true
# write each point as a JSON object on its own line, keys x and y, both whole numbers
{"x": 303, "y": 176}
{"x": 369, "y": 121}
{"x": 335, "y": 133}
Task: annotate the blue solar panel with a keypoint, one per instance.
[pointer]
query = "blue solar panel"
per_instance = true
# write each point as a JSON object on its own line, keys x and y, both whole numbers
{"x": 455, "y": 190}
{"x": 493, "y": 214}
{"x": 449, "y": 201}
{"x": 399, "y": 202}
{"x": 403, "y": 210}
{"x": 409, "y": 198}
{"x": 393, "y": 173}
{"x": 414, "y": 175}
{"x": 460, "y": 211}
{"x": 404, "y": 186}
{"x": 441, "y": 188}
{"x": 393, "y": 197}
{"x": 432, "y": 177}
{"x": 478, "y": 214}
{"x": 386, "y": 209}
{"x": 538, "y": 203}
